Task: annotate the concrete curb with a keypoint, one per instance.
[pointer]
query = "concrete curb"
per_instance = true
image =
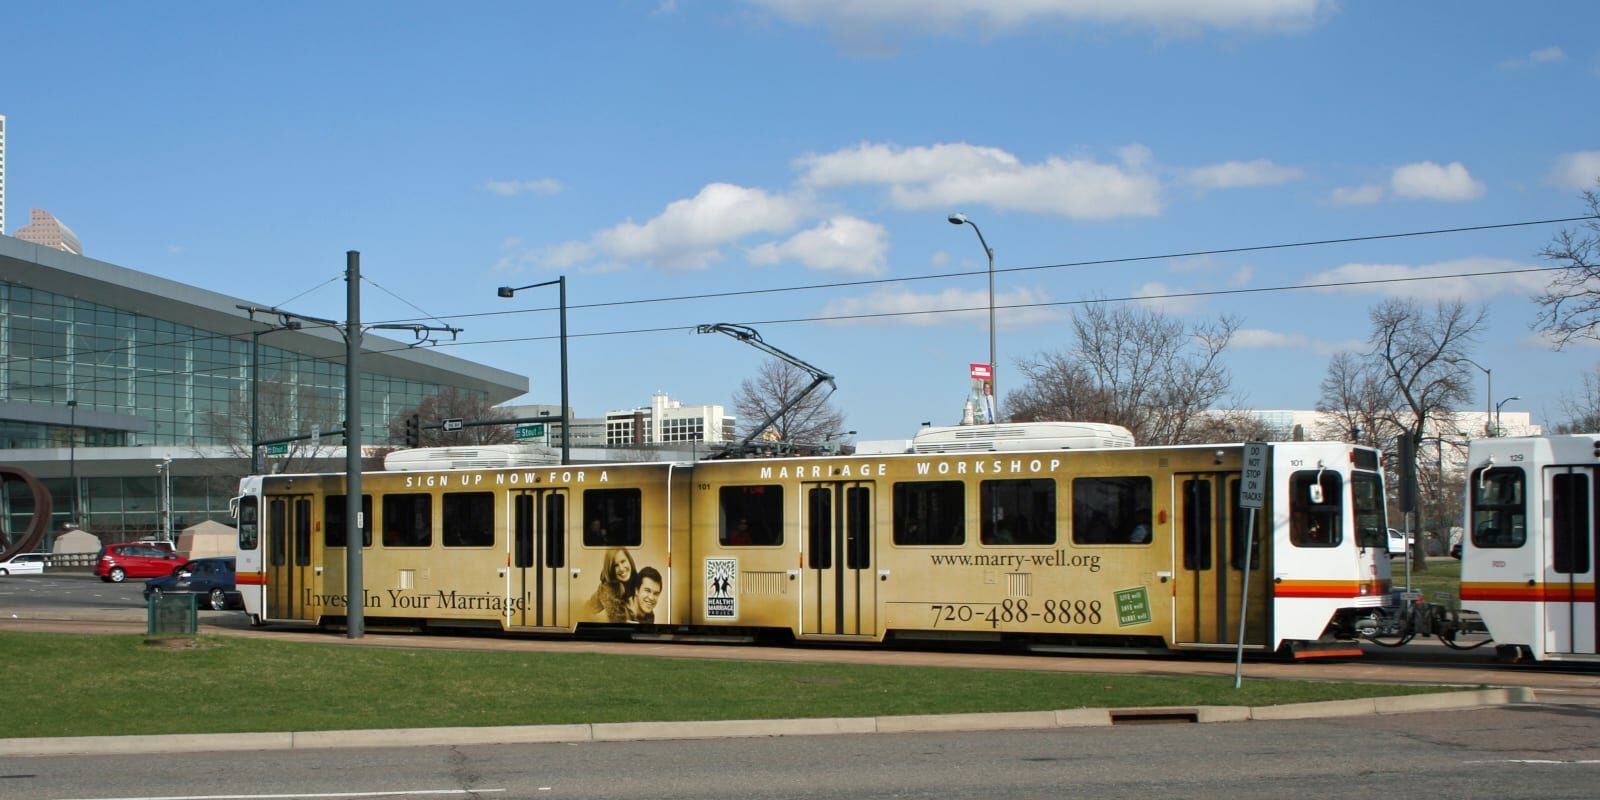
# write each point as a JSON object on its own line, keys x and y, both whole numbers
{"x": 724, "y": 729}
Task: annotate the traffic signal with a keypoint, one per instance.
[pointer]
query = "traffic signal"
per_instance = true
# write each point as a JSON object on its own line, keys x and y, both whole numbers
{"x": 413, "y": 431}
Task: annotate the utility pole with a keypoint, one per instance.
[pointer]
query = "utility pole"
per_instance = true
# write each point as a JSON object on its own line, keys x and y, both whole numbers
{"x": 355, "y": 588}
{"x": 355, "y": 594}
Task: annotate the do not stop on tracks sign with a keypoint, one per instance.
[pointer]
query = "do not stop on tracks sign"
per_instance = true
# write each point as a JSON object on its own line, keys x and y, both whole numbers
{"x": 1253, "y": 488}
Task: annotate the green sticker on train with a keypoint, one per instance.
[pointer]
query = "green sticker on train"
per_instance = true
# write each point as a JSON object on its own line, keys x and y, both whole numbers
{"x": 1133, "y": 606}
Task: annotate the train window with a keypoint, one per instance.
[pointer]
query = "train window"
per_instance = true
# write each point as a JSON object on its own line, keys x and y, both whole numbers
{"x": 612, "y": 518}
{"x": 522, "y": 530}
{"x": 1197, "y": 521}
{"x": 1111, "y": 510}
{"x": 858, "y": 527}
{"x": 930, "y": 512}
{"x": 407, "y": 520}
{"x": 1499, "y": 507}
{"x": 555, "y": 522}
{"x": 1569, "y": 523}
{"x": 278, "y": 533}
{"x": 751, "y": 516}
{"x": 333, "y": 521}
{"x": 1237, "y": 520}
{"x": 1372, "y": 528}
{"x": 819, "y": 523}
{"x": 249, "y": 523}
{"x": 1316, "y": 508}
{"x": 1017, "y": 512}
{"x": 302, "y": 532}
{"x": 468, "y": 519}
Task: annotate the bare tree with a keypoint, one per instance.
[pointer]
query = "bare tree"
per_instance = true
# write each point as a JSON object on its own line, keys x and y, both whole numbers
{"x": 1231, "y": 425}
{"x": 1412, "y": 379}
{"x": 1570, "y": 305}
{"x": 808, "y": 423}
{"x": 1133, "y": 367}
{"x": 1583, "y": 410}
{"x": 283, "y": 410}
{"x": 453, "y": 403}
{"x": 1357, "y": 403}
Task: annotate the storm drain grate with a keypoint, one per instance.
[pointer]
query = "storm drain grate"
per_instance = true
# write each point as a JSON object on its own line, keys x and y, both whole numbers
{"x": 1153, "y": 716}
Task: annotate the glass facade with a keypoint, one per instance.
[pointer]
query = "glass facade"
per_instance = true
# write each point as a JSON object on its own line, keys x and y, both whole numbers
{"x": 193, "y": 388}
{"x": 190, "y": 384}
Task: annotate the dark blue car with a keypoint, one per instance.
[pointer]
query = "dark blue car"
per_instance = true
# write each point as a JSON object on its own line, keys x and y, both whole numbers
{"x": 210, "y": 578}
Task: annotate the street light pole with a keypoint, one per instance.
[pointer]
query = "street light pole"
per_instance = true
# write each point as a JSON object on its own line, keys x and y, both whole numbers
{"x": 72, "y": 461}
{"x": 959, "y": 218}
{"x": 566, "y": 420}
{"x": 1497, "y": 428}
{"x": 1488, "y": 397}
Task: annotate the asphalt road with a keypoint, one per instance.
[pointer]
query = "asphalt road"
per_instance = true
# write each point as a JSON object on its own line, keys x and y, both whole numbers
{"x": 1512, "y": 752}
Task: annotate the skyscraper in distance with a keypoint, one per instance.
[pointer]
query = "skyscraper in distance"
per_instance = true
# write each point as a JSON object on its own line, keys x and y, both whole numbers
{"x": 44, "y": 229}
{"x": 2, "y": 174}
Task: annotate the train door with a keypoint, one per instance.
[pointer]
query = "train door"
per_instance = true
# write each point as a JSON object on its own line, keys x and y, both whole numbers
{"x": 838, "y": 588}
{"x": 538, "y": 586}
{"x": 1210, "y": 568}
{"x": 1570, "y": 622}
{"x": 289, "y": 556}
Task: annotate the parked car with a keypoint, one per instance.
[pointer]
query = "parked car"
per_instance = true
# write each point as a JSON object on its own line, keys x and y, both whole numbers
{"x": 118, "y": 562}
{"x": 1399, "y": 543}
{"x": 1455, "y": 551}
{"x": 211, "y": 578}
{"x": 23, "y": 564}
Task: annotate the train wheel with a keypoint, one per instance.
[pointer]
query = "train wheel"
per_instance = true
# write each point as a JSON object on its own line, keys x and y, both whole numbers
{"x": 1513, "y": 653}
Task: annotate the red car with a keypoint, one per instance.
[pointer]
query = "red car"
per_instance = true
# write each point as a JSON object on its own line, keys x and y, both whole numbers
{"x": 118, "y": 562}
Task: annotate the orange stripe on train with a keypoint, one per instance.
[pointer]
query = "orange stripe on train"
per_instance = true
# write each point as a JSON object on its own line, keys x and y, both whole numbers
{"x": 1333, "y": 589}
{"x": 1523, "y": 593}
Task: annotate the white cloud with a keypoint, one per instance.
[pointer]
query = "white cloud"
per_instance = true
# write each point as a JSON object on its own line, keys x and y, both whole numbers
{"x": 887, "y": 164}
{"x": 1358, "y": 195}
{"x": 542, "y": 186}
{"x": 1237, "y": 174}
{"x": 1577, "y": 170}
{"x": 1545, "y": 55}
{"x": 901, "y": 307}
{"x": 843, "y": 243}
{"x": 1404, "y": 280}
{"x": 1158, "y": 296}
{"x": 1427, "y": 180}
{"x": 850, "y": 17}
{"x": 946, "y": 175}
{"x": 1260, "y": 338}
{"x": 690, "y": 233}
{"x": 1263, "y": 339}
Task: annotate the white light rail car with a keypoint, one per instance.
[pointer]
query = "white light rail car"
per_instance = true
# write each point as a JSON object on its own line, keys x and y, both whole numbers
{"x": 1107, "y": 548}
{"x": 1528, "y": 557}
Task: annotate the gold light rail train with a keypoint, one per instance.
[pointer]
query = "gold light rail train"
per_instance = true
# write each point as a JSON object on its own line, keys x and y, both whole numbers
{"x": 1109, "y": 547}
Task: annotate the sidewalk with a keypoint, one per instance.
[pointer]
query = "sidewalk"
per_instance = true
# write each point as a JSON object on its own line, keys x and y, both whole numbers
{"x": 645, "y": 731}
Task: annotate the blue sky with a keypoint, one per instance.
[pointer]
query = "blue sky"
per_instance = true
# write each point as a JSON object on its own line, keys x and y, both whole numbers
{"x": 651, "y": 150}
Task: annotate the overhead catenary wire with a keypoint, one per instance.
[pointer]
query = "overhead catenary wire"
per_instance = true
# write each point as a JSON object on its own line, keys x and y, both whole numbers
{"x": 908, "y": 279}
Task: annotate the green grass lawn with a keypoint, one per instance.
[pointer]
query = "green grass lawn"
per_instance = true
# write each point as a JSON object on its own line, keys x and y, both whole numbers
{"x": 76, "y": 685}
{"x": 1443, "y": 577}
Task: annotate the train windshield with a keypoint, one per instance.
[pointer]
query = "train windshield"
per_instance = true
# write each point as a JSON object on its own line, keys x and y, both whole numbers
{"x": 1366, "y": 490}
{"x": 1316, "y": 508}
{"x": 1499, "y": 507}
{"x": 249, "y": 522}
